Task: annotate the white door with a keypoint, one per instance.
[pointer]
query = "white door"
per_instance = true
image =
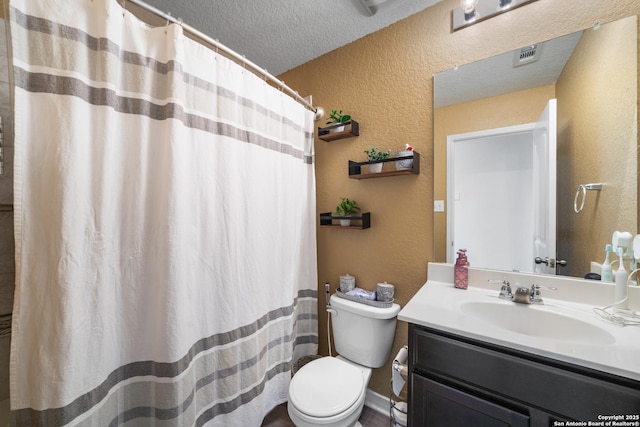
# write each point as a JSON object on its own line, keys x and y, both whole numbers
{"x": 544, "y": 183}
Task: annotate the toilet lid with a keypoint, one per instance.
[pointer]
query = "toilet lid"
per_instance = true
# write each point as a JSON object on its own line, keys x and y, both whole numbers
{"x": 326, "y": 387}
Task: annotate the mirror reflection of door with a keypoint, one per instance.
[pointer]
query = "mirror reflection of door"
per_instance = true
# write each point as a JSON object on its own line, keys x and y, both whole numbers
{"x": 501, "y": 195}
{"x": 545, "y": 137}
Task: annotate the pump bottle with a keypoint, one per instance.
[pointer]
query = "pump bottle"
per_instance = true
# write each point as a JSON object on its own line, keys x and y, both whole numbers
{"x": 607, "y": 272}
{"x": 461, "y": 270}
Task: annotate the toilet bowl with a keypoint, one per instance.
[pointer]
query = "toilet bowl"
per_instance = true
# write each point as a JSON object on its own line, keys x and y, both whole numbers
{"x": 329, "y": 391}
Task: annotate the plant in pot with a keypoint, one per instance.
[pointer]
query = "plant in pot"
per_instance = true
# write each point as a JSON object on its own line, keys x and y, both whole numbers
{"x": 373, "y": 155}
{"x": 337, "y": 117}
{"x": 346, "y": 207}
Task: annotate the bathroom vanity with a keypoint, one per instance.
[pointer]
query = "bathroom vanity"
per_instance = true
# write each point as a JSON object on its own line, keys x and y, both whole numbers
{"x": 478, "y": 360}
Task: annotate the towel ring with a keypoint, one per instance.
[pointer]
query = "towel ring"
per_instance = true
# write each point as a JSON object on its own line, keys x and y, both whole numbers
{"x": 582, "y": 189}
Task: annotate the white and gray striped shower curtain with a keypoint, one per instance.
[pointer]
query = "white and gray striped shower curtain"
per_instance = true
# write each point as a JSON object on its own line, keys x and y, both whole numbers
{"x": 165, "y": 226}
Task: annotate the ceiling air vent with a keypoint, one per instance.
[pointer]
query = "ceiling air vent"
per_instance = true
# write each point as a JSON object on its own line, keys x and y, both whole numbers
{"x": 526, "y": 55}
{"x": 373, "y": 6}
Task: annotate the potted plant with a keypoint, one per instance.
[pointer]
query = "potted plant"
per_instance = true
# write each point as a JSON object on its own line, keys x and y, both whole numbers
{"x": 337, "y": 117}
{"x": 373, "y": 155}
{"x": 346, "y": 207}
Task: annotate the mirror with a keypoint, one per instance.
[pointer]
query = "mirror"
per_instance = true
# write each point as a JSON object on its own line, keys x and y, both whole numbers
{"x": 594, "y": 78}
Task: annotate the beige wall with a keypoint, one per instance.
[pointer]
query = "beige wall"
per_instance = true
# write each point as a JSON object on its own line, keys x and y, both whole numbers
{"x": 597, "y": 142}
{"x": 505, "y": 110}
{"x": 385, "y": 80}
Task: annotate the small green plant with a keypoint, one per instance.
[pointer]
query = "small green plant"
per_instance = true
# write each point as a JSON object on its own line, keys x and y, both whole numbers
{"x": 347, "y": 207}
{"x": 337, "y": 117}
{"x": 373, "y": 155}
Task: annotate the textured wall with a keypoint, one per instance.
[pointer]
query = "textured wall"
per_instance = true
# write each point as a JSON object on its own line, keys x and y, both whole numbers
{"x": 598, "y": 136}
{"x": 385, "y": 80}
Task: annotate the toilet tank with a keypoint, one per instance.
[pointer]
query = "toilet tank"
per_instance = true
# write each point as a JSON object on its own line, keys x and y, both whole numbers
{"x": 363, "y": 333}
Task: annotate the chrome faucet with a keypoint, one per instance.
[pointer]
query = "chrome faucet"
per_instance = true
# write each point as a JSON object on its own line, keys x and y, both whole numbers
{"x": 523, "y": 295}
{"x": 505, "y": 290}
{"x": 535, "y": 297}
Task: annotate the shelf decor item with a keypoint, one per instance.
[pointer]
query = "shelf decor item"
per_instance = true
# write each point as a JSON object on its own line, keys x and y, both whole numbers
{"x": 358, "y": 222}
{"x": 346, "y": 208}
{"x": 373, "y": 155}
{"x": 356, "y": 171}
{"x": 337, "y": 117}
{"x": 339, "y": 126}
{"x": 328, "y": 134}
{"x": 405, "y": 164}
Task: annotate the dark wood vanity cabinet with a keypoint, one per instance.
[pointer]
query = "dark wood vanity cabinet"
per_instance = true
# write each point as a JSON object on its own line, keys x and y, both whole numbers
{"x": 456, "y": 381}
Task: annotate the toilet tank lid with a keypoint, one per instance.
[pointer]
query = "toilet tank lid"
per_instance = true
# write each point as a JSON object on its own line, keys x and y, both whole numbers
{"x": 365, "y": 310}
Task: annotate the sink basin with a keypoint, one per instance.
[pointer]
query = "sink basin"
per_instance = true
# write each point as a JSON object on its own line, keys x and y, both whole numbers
{"x": 537, "y": 321}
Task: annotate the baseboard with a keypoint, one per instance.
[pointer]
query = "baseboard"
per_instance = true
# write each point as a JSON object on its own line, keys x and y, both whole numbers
{"x": 377, "y": 402}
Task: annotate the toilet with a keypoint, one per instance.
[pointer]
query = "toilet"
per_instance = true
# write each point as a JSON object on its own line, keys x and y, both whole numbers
{"x": 330, "y": 391}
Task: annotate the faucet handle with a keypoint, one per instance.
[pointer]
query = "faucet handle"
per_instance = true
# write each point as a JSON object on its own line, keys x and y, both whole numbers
{"x": 536, "y": 296}
{"x": 505, "y": 290}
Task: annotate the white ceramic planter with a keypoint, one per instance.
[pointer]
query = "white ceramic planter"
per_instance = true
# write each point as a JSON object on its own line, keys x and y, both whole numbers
{"x": 375, "y": 168}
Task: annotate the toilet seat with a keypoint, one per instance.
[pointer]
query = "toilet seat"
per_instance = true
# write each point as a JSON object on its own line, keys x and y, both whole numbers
{"x": 326, "y": 387}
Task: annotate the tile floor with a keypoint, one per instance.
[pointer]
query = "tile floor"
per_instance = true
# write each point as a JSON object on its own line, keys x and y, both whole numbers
{"x": 369, "y": 418}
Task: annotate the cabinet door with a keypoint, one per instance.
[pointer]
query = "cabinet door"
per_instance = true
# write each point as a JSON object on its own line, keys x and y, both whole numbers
{"x": 437, "y": 405}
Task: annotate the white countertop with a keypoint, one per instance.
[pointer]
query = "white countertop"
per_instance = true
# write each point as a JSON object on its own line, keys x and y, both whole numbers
{"x": 614, "y": 349}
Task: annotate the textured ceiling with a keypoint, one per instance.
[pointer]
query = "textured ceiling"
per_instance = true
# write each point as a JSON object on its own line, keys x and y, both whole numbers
{"x": 497, "y": 75}
{"x": 281, "y": 34}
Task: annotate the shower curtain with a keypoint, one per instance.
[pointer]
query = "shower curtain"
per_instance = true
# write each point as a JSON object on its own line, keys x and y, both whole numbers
{"x": 165, "y": 226}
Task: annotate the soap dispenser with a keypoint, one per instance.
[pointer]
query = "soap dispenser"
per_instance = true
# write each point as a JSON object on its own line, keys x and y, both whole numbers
{"x": 461, "y": 270}
{"x": 607, "y": 272}
{"x": 621, "y": 283}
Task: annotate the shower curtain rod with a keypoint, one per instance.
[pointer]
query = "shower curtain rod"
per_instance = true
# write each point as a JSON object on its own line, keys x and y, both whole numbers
{"x": 234, "y": 55}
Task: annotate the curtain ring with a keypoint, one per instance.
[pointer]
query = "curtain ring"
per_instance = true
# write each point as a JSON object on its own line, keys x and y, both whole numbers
{"x": 168, "y": 22}
{"x": 581, "y": 189}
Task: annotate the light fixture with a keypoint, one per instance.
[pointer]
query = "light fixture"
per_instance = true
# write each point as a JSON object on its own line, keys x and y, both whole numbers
{"x": 469, "y": 9}
{"x": 473, "y": 11}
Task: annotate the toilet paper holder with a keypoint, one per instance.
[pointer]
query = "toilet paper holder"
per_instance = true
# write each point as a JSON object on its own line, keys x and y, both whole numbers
{"x": 399, "y": 373}
{"x": 399, "y": 364}
{"x": 398, "y": 398}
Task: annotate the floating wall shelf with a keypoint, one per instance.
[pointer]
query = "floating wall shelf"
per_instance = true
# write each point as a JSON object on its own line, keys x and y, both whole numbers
{"x": 351, "y": 129}
{"x": 363, "y": 221}
{"x": 355, "y": 168}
